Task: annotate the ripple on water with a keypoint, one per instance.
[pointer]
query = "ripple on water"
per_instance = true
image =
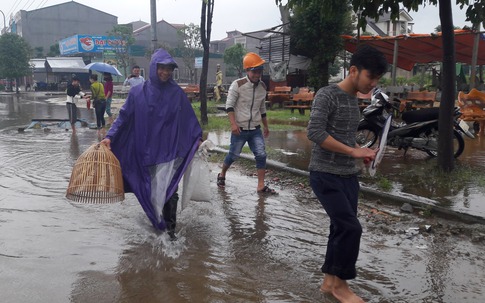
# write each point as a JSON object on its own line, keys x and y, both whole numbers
{"x": 36, "y": 162}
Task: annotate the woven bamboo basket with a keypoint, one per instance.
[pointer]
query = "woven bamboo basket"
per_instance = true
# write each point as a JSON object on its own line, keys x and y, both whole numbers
{"x": 96, "y": 177}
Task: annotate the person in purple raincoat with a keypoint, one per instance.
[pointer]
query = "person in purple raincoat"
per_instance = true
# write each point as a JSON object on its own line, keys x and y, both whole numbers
{"x": 155, "y": 137}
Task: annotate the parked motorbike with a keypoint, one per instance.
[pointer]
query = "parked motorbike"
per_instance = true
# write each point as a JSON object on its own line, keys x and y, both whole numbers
{"x": 418, "y": 130}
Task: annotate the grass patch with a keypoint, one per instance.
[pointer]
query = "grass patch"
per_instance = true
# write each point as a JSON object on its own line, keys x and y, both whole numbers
{"x": 384, "y": 184}
{"x": 427, "y": 212}
{"x": 279, "y": 119}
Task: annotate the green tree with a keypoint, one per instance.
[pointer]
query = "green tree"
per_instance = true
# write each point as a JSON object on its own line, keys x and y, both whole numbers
{"x": 14, "y": 57}
{"x": 315, "y": 33}
{"x": 38, "y": 52}
{"x": 233, "y": 57}
{"x": 54, "y": 51}
{"x": 437, "y": 29}
{"x": 475, "y": 14}
{"x": 205, "y": 32}
{"x": 190, "y": 46}
{"x": 122, "y": 50}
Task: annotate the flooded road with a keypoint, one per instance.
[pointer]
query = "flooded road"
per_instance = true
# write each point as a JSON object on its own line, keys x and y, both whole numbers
{"x": 411, "y": 173}
{"x": 239, "y": 247}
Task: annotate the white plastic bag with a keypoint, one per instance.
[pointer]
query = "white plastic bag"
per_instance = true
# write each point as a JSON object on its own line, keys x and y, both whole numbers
{"x": 196, "y": 183}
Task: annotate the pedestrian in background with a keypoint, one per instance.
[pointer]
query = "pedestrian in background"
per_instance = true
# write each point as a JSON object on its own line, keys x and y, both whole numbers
{"x": 108, "y": 93}
{"x": 98, "y": 100}
{"x": 332, "y": 128}
{"x": 155, "y": 136}
{"x": 246, "y": 108}
{"x": 135, "y": 78}
{"x": 74, "y": 93}
{"x": 218, "y": 89}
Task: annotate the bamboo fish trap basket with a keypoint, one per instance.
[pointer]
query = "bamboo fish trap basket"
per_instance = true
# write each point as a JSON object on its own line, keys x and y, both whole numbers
{"x": 96, "y": 177}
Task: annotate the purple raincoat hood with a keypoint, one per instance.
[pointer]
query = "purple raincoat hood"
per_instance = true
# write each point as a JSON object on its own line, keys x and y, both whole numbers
{"x": 160, "y": 57}
{"x": 155, "y": 126}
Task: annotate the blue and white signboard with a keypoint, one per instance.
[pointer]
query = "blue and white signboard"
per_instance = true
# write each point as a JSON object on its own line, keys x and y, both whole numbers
{"x": 89, "y": 44}
{"x": 198, "y": 62}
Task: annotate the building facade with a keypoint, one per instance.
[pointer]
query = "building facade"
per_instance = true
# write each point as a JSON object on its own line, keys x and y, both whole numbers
{"x": 45, "y": 27}
{"x": 386, "y": 27}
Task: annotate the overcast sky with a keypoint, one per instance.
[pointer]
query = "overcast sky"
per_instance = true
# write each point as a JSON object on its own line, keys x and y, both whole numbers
{"x": 243, "y": 15}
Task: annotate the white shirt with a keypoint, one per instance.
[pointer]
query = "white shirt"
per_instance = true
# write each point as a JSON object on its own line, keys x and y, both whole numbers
{"x": 134, "y": 81}
{"x": 76, "y": 98}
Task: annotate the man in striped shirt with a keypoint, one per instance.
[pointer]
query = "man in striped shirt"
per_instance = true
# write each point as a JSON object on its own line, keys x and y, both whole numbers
{"x": 332, "y": 128}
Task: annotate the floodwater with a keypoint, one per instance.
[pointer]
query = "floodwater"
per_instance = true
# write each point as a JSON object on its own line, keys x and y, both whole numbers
{"x": 239, "y": 247}
{"x": 408, "y": 172}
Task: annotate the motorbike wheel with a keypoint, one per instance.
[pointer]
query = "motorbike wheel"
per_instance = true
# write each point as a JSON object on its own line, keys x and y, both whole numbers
{"x": 458, "y": 145}
{"x": 366, "y": 136}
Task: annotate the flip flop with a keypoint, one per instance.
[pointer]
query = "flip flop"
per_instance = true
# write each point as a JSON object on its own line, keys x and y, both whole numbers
{"x": 267, "y": 191}
{"x": 221, "y": 181}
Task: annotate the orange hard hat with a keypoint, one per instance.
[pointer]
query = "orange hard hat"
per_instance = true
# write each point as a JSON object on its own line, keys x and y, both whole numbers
{"x": 252, "y": 61}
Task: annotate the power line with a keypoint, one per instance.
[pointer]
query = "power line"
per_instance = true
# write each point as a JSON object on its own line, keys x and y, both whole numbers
{"x": 42, "y": 4}
{"x": 14, "y": 7}
{"x": 31, "y": 2}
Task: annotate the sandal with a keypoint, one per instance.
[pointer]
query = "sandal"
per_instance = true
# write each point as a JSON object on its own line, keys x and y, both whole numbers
{"x": 221, "y": 181}
{"x": 267, "y": 191}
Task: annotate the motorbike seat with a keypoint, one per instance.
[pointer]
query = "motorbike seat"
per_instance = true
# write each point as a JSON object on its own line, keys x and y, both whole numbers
{"x": 424, "y": 114}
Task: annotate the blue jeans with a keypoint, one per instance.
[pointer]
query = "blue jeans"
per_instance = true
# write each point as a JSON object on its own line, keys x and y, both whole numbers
{"x": 108, "y": 107}
{"x": 339, "y": 196}
{"x": 255, "y": 140}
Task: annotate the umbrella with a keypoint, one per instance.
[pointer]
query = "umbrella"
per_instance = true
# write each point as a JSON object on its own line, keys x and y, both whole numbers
{"x": 103, "y": 68}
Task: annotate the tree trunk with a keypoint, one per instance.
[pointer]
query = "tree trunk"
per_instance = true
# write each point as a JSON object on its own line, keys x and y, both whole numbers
{"x": 447, "y": 104}
{"x": 320, "y": 74}
{"x": 325, "y": 73}
{"x": 205, "y": 35}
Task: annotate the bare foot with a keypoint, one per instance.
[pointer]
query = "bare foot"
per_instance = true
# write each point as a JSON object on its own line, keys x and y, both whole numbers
{"x": 343, "y": 293}
{"x": 327, "y": 284}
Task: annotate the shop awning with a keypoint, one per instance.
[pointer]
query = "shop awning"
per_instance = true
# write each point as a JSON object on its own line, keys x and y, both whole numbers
{"x": 37, "y": 64}
{"x": 422, "y": 48}
{"x": 65, "y": 65}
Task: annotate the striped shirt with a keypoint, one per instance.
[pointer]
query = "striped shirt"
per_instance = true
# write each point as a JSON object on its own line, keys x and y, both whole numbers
{"x": 334, "y": 113}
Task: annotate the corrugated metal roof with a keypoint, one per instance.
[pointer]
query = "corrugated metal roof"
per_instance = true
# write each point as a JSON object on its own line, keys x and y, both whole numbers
{"x": 275, "y": 48}
{"x": 66, "y": 64}
{"x": 37, "y": 63}
{"x": 274, "y": 43}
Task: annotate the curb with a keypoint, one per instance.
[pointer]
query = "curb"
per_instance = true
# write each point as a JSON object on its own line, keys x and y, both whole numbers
{"x": 397, "y": 198}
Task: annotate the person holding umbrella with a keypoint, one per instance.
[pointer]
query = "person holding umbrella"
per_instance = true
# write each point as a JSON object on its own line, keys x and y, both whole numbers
{"x": 103, "y": 68}
{"x": 98, "y": 101}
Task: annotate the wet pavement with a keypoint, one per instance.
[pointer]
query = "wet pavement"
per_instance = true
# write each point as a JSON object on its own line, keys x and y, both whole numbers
{"x": 412, "y": 174}
{"x": 239, "y": 247}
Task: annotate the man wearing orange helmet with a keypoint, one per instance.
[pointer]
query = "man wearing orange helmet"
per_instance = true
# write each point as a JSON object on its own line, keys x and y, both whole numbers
{"x": 245, "y": 106}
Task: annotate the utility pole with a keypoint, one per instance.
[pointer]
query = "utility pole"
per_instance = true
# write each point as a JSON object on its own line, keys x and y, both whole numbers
{"x": 153, "y": 21}
{"x": 476, "y": 41}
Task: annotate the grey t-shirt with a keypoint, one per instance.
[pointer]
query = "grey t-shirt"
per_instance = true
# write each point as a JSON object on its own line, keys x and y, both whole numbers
{"x": 334, "y": 113}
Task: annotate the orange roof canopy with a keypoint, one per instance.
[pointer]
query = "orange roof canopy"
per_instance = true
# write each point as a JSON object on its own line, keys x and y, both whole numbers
{"x": 422, "y": 48}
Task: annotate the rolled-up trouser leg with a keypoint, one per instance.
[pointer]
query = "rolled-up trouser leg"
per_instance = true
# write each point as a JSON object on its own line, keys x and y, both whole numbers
{"x": 339, "y": 196}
